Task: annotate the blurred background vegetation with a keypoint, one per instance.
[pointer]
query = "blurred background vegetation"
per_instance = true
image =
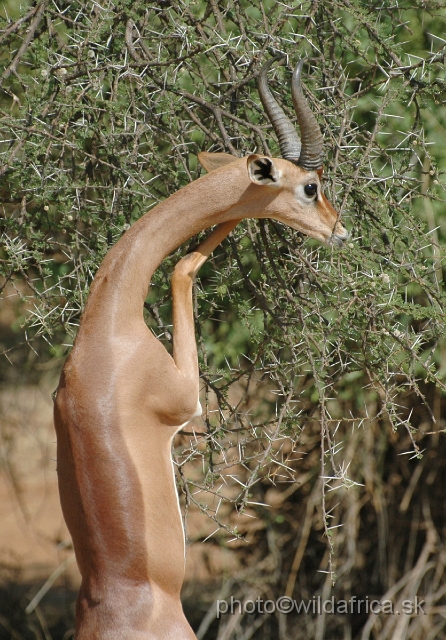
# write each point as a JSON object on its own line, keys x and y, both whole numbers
{"x": 318, "y": 466}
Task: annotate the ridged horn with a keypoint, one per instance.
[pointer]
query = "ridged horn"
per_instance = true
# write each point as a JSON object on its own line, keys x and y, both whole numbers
{"x": 289, "y": 141}
{"x": 312, "y": 142}
{"x": 308, "y": 153}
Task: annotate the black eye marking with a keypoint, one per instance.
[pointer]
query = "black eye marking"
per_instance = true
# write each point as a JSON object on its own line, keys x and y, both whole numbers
{"x": 264, "y": 170}
{"x": 310, "y": 189}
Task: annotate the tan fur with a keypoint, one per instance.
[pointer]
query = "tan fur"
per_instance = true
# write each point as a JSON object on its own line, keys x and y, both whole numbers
{"x": 211, "y": 161}
{"x": 122, "y": 397}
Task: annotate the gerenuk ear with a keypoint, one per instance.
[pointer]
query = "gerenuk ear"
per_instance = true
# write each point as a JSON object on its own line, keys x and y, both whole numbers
{"x": 262, "y": 170}
{"x": 211, "y": 161}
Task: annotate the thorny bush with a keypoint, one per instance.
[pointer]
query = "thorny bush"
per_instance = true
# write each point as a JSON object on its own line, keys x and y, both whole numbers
{"x": 323, "y": 370}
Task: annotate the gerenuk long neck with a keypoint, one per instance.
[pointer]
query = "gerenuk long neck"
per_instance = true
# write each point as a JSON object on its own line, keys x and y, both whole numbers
{"x": 122, "y": 281}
